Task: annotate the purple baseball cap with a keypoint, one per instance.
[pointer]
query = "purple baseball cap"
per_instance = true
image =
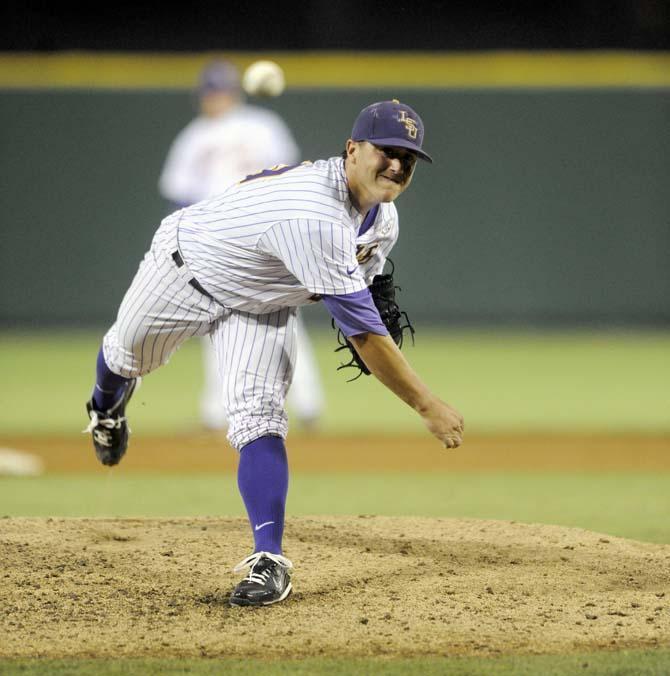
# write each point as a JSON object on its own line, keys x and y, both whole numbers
{"x": 391, "y": 123}
{"x": 219, "y": 76}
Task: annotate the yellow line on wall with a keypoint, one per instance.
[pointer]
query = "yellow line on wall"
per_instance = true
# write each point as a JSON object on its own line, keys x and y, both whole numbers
{"x": 345, "y": 69}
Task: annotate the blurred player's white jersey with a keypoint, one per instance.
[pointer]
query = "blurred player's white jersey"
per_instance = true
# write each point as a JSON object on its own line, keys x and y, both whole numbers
{"x": 210, "y": 153}
{"x": 280, "y": 238}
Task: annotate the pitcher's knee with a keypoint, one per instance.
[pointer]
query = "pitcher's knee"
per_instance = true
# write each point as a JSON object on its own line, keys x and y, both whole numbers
{"x": 244, "y": 428}
{"x": 129, "y": 361}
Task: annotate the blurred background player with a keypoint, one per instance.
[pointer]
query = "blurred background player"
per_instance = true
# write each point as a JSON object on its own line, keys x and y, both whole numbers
{"x": 227, "y": 141}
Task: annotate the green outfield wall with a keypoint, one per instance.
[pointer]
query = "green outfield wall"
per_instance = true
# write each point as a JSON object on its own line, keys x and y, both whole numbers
{"x": 544, "y": 205}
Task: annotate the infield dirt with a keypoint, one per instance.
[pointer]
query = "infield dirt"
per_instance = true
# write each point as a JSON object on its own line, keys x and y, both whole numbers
{"x": 363, "y": 586}
{"x": 205, "y": 452}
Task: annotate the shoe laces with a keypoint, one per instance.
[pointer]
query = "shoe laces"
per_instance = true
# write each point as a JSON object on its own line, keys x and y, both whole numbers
{"x": 252, "y": 561}
{"x": 100, "y": 425}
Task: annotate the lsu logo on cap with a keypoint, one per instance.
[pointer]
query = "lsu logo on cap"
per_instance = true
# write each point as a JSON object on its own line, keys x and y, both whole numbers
{"x": 409, "y": 123}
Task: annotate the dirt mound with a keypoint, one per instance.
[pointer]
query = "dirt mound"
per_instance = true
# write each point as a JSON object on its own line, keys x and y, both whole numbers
{"x": 363, "y": 586}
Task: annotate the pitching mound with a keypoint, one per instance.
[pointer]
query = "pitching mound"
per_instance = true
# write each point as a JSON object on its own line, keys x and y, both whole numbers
{"x": 363, "y": 586}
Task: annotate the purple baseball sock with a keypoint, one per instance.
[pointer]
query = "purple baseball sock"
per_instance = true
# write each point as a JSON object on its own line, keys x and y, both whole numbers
{"x": 109, "y": 386}
{"x": 262, "y": 477}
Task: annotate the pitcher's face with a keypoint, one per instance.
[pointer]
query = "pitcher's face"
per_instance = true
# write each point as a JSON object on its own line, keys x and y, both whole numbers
{"x": 378, "y": 173}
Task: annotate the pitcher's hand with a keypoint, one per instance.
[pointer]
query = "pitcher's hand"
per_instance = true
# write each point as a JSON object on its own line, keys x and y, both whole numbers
{"x": 444, "y": 422}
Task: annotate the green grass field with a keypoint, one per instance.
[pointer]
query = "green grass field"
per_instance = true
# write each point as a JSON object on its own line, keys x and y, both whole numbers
{"x": 630, "y": 662}
{"x": 502, "y": 382}
{"x": 634, "y": 506}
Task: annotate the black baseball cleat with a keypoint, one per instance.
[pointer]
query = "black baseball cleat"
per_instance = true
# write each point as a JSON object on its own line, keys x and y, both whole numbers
{"x": 268, "y": 581}
{"x": 110, "y": 428}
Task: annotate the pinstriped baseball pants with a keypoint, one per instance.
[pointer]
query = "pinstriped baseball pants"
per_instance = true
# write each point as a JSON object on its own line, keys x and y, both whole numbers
{"x": 256, "y": 353}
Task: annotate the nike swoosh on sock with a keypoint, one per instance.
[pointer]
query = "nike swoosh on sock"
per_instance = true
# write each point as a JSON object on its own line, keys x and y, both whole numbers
{"x": 262, "y": 525}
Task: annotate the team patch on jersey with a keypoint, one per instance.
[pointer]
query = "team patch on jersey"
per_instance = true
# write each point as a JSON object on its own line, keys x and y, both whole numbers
{"x": 385, "y": 228}
{"x": 364, "y": 252}
{"x": 277, "y": 170}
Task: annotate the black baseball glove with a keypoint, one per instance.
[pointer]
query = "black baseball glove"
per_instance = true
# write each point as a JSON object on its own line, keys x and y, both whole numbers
{"x": 395, "y": 320}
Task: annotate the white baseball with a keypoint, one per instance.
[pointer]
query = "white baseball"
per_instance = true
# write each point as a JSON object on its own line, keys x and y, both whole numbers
{"x": 264, "y": 78}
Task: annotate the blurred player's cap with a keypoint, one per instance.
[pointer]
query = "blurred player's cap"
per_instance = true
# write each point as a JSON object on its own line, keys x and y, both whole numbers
{"x": 219, "y": 76}
{"x": 391, "y": 123}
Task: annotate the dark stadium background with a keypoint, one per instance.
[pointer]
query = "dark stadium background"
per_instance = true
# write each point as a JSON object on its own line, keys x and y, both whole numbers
{"x": 341, "y": 24}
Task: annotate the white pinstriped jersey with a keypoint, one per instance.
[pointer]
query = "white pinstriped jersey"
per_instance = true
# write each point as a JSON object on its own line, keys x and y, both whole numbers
{"x": 276, "y": 240}
{"x": 211, "y": 153}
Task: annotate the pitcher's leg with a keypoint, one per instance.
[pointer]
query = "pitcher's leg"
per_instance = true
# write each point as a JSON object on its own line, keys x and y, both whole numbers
{"x": 109, "y": 386}
{"x": 107, "y": 412}
{"x": 212, "y": 413}
{"x": 158, "y": 313}
{"x": 262, "y": 478}
{"x": 263, "y": 482}
{"x": 257, "y": 354}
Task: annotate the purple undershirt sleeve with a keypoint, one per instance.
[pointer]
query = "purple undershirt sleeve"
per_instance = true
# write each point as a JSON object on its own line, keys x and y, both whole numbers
{"x": 355, "y": 313}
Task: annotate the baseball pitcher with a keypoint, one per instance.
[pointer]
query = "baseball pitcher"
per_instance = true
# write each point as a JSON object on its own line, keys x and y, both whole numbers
{"x": 237, "y": 267}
